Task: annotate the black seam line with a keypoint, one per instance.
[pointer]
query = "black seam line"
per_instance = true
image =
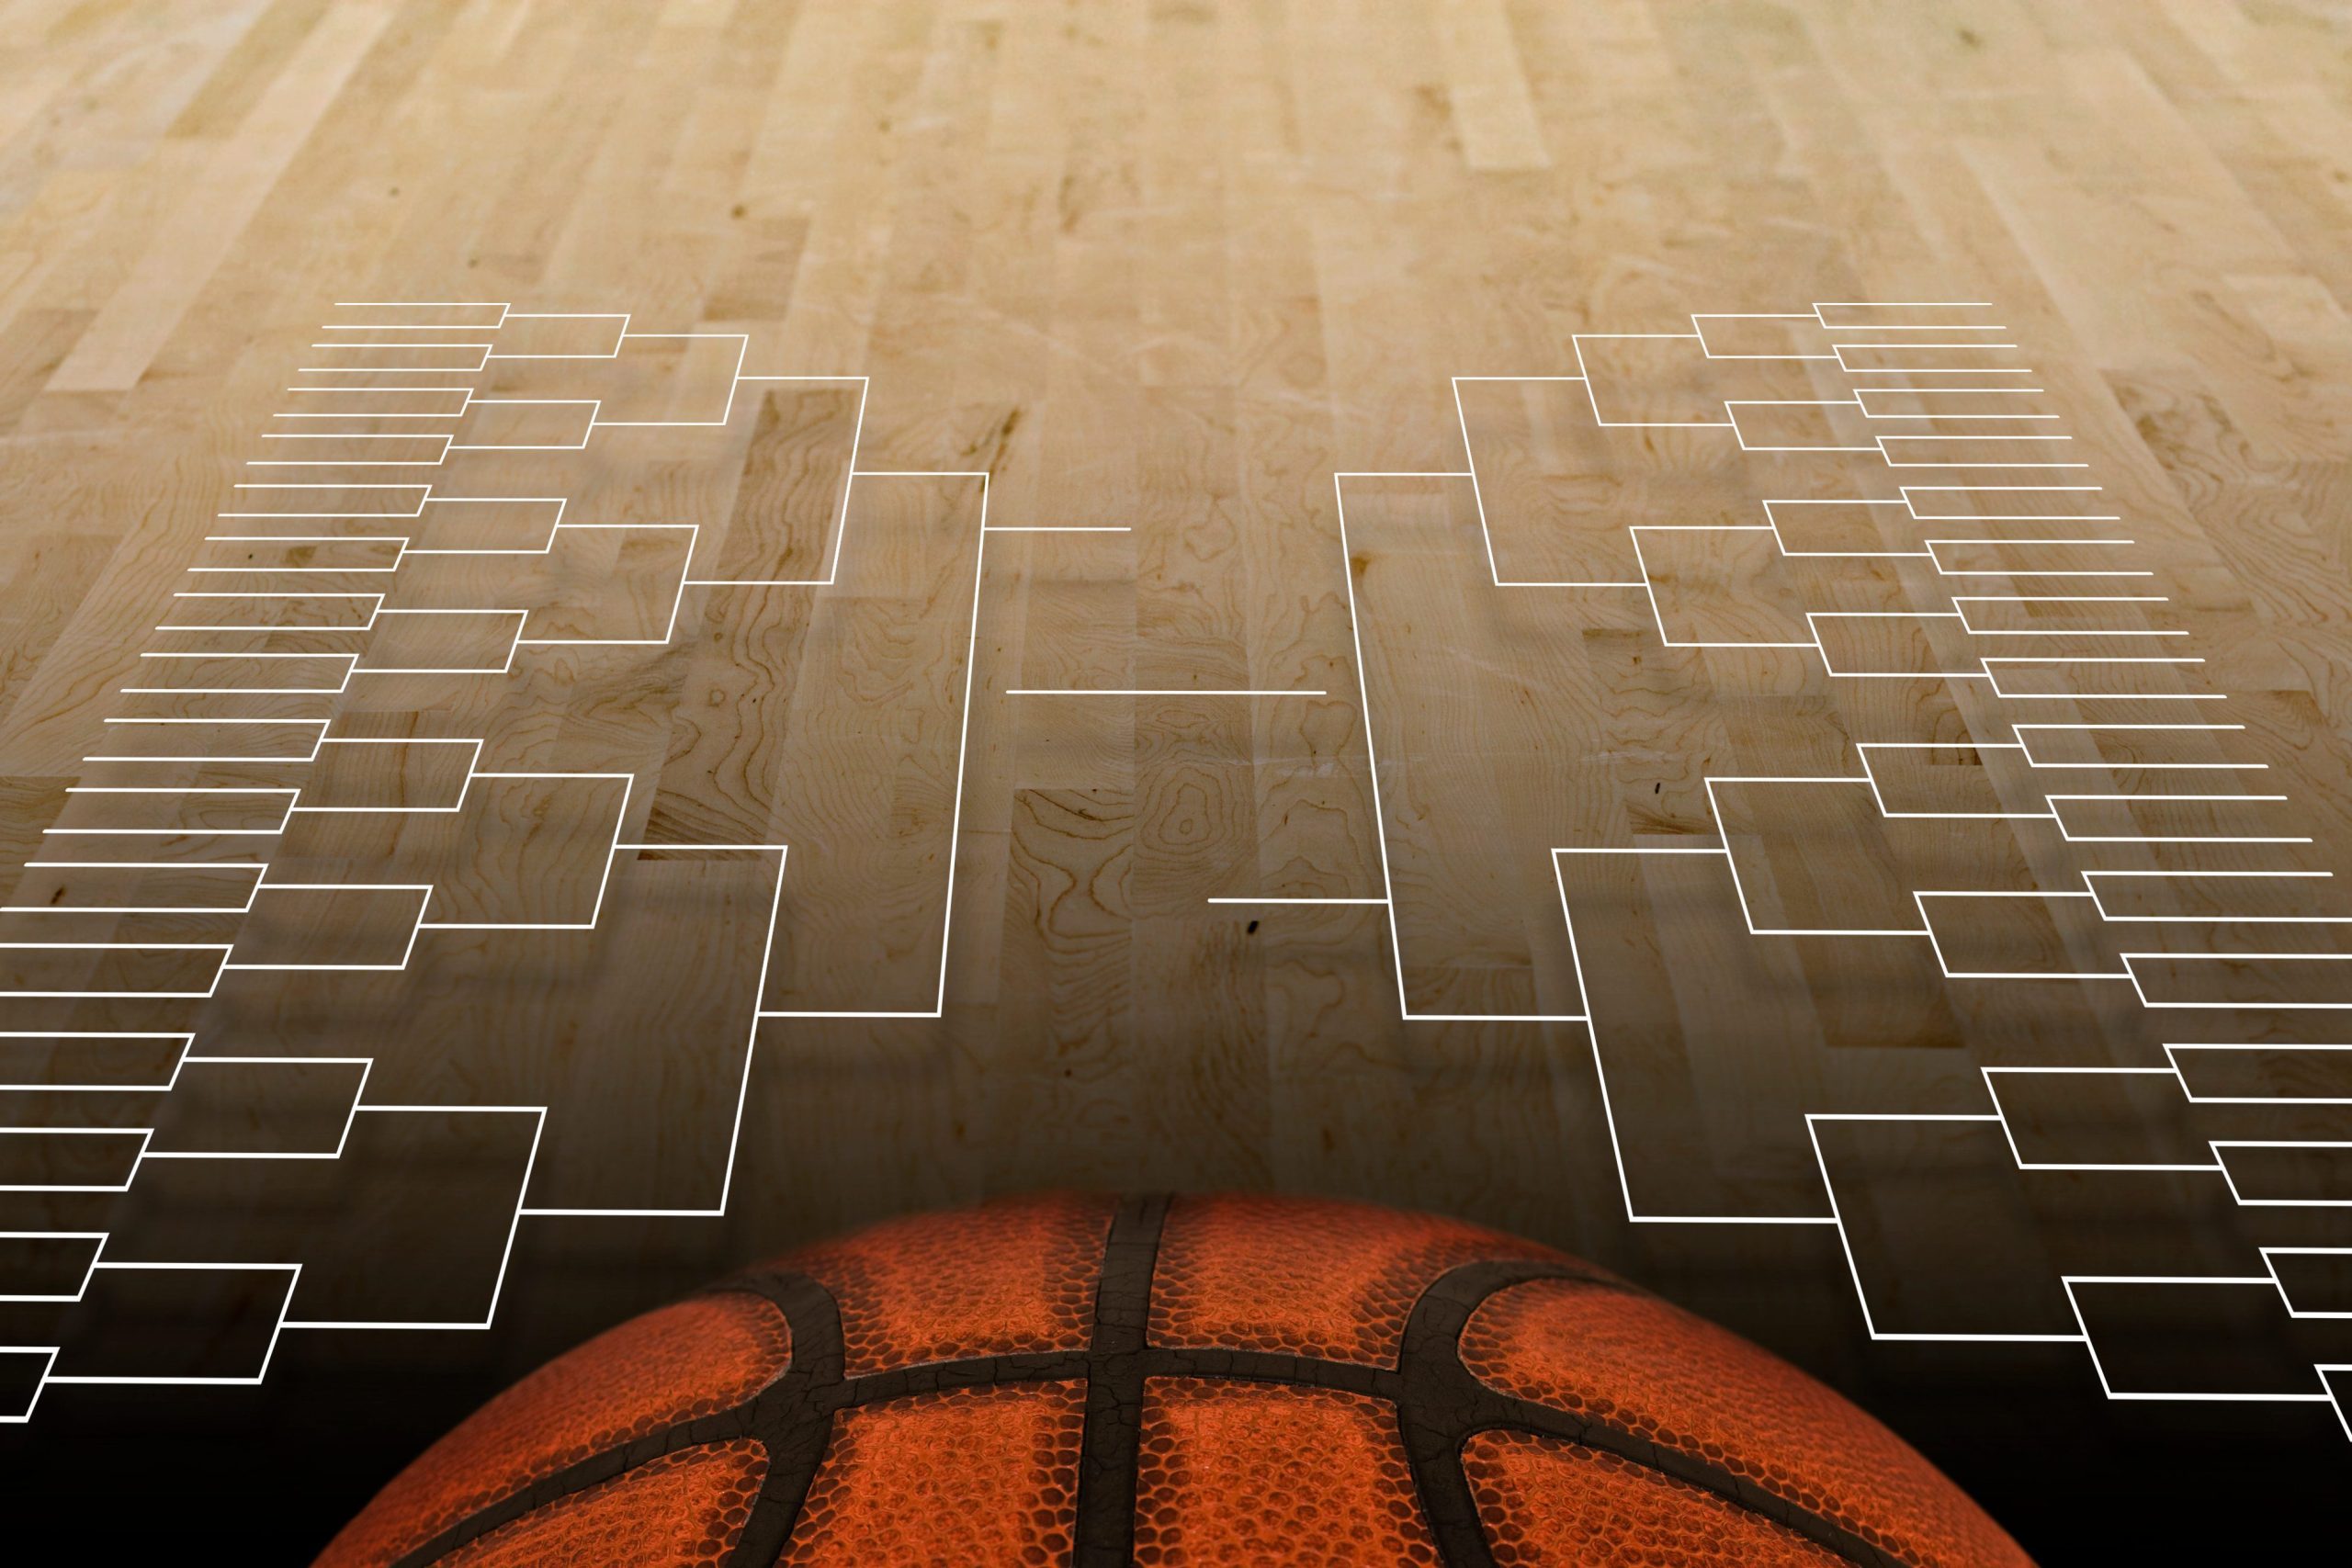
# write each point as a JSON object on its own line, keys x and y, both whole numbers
{"x": 1117, "y": 1367}
{"x": 1435, "y": 1392}
{"x": 792, "y": 1418}
{"x": 1440, "y": 1405}
{"x": 797, "y": 1441}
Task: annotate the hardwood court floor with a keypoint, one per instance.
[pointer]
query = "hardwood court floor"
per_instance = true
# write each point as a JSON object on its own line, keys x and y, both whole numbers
{"x": 1159, "y": 272}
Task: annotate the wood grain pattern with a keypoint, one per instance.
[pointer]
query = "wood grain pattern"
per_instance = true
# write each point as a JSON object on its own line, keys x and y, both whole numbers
{"x": 1160, "y": 272}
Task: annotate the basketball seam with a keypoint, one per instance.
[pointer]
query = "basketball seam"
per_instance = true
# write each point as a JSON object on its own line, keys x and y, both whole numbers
{"x": 1116, "y": 1375}
{"x": 1442, "y": 1405}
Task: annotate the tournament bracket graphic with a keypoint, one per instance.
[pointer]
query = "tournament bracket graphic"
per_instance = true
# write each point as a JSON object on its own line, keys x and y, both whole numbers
{"x": 1945, "y": 903}
{"x": 322, "y": 969}
{"x": 1940, "y": 902}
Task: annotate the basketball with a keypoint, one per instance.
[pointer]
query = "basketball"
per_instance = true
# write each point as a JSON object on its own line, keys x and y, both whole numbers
{"x": 1072, "y": 1379}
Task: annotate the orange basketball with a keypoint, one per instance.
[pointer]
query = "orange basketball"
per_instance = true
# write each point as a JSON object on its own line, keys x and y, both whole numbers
{"x": 1201, "y": 1381}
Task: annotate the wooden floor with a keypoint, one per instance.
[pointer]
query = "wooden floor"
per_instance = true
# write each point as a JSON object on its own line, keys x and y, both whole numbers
{"x": 1021, "y": 595}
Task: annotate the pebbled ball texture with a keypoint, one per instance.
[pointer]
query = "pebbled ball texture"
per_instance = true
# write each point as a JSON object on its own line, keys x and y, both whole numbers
{"x": 1546, "y": 1502}
{"x": 1257, "y": 1472}
{"x": 1011, "y": 1277}
{"x": 1677, "y": 1381}
{"x": 1335, "y": 1281}
{"x": 1174, "y": 1383}
{"x": 971, "y": 1475}
{"x": 684, "y": 1510}
{"x": 671, "y": 1365}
